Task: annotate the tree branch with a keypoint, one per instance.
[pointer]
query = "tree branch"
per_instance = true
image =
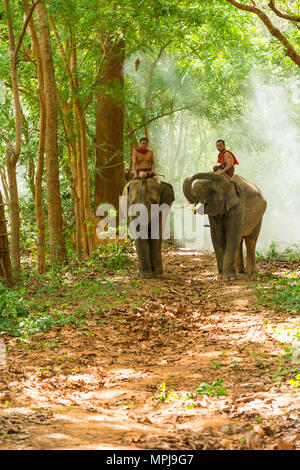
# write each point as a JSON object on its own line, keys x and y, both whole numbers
{"x": 290, "y": 51}
{"x": 21, "y": 35}
{"x": 159, "y": 116}
{"x": 281, "y": 14}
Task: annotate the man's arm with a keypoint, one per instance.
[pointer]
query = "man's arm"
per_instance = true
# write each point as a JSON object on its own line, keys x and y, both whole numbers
{"x": 152, "y": 162}
{"x": 229, "y": 162}
{"x": 134, "y": 164}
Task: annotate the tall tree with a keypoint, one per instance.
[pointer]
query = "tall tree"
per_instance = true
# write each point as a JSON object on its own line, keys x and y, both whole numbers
{"x": 13, "y": 151}
{"x": 56, "y": 236}
{"x": 109, "y": 180}
{"x": 40, "y": 219}
{"x": 74, "y": 113}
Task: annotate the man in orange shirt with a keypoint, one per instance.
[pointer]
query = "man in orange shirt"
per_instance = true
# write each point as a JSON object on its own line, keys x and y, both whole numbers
{"x": 226, "y": 161}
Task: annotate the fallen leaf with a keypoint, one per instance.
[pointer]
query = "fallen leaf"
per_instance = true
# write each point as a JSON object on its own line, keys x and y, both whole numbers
{"x": 283, "y": 445}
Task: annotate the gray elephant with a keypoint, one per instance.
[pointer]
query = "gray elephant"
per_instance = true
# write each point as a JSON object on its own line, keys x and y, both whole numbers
{"x": 235, "y": 208}
{"x": 149, "y": 192}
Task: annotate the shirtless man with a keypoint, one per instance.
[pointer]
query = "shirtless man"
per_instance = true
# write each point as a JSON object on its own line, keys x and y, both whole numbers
{"x": 143, "y": 161}
{"x": 226, "y": 161}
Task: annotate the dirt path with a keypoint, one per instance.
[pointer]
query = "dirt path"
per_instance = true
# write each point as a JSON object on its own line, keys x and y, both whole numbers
{"x": 122, "y": 380}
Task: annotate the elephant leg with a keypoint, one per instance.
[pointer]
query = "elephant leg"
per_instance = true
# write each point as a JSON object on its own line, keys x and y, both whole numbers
{"x": 240, "y": 259}
{"x": 143, "y": 252}
{"x": 155, "y": 256}
{"x": 219, "y": 243}
{"x": 251, "y": 246}
{"x": 233, "y": 243}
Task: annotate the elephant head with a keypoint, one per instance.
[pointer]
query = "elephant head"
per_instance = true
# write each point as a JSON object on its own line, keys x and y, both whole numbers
{"x": 216, "y": 192}
{"x": 147, "y": 192}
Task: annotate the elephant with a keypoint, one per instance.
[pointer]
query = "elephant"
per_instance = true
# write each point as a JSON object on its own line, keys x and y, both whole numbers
{"x": 235, "y": 209}
{"x": 148, "y": 192}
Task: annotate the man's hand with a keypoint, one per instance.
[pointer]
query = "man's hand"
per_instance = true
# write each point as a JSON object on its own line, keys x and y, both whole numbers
{"x": 223, "y": 172}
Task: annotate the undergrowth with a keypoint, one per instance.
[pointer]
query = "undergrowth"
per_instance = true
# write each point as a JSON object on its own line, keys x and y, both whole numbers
{"x": 279, "y": 291}
{"x": 43, "y": 301}
{"x": 273, "y": 253}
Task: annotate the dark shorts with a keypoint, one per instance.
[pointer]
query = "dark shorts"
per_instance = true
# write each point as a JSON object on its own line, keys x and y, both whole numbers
{"x": 149, "y": 173}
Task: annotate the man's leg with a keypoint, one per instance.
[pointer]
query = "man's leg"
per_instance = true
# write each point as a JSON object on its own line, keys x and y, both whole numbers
{"x": 217, "y": 167}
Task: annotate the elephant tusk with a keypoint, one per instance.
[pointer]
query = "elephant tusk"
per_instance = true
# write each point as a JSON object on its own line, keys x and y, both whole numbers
{"x": 198, "y": 209}
{"x": 182, "y": 207}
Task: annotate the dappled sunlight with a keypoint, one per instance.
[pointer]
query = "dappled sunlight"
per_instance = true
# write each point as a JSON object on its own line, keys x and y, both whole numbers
{"x": 194, "y": 360}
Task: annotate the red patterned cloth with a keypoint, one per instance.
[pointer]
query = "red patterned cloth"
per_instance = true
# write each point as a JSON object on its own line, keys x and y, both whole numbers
{"x": 140, "y": 150}
{"x": 221, "y": 157}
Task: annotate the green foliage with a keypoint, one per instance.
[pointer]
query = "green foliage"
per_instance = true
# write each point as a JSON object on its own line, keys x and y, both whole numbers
{"x": 24, "y": 313}
{"x": 273, "y": 253}
{"x": 164, "y": 393}
{"x": 36, "y": 322}
{"x": 280, "y": 291}
{"x": 113, "y": 256}
{"x": 20, "y": 317}
{"x": 13, "y": 307}
{"x": 195, "y": 61}
{"x": 214, "y": 389}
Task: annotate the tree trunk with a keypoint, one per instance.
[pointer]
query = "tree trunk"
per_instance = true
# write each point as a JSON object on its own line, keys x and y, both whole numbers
{"x": 109, "y": 179}
{"x": 5, "y": 264}
{"x": 84, "y": 175}
{"x": 79, "y": 166}
{"x": 12, "y": 153}
{"x": 14, "y": 209}
{"x": 57, "y": 243}
{"x": 39, "y": 211}
{"x": 71, "y": 138}
{"x": 4, "y": 185}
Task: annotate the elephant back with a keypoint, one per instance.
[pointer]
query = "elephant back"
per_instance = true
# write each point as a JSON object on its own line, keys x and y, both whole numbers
{"x": 244, "y": 186}
{"x": 167, "y": 193}
{"x": 251, "y": 193}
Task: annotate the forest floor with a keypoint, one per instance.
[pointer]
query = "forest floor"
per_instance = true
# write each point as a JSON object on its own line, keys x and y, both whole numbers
{"x": 184, "y": 361}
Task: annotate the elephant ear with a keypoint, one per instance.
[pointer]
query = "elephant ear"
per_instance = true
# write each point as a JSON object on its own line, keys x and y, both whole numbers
{"x": 167, "y": 193}
{"x": 232, "y": 197}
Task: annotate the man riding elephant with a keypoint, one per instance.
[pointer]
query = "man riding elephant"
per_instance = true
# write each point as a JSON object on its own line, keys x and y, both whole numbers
{"x": 235, "y": 214}
{"x": 226, "y": 161}
{"x": 143, "y": 161}
{"x": 148, "y": 204}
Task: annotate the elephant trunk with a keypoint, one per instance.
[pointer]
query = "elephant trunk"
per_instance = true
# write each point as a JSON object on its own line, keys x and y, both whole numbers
{"x": 188, "y": 190}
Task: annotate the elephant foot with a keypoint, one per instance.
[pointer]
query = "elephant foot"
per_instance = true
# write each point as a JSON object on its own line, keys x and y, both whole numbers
{"x": 158, "y": 270}
{"x": 229, "y": 277}
{"x": 251, "y": 271}
{"x": 145, "y": 275}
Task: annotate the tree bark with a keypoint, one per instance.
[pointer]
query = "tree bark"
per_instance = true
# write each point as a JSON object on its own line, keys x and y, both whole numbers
{"x": 290, "y": 51}
{"x": 56, "y": 237}
{"x": 12, "y": 153}
{"x": 4, "y": 185}
{"x": 76, "y": 185}
{"x": 5, "y": 263}
{"x": 80, "y": 186}
{"x": 281, "y": 14}
{"x": 109, "y": 180}
{"x": 39, "y": 211}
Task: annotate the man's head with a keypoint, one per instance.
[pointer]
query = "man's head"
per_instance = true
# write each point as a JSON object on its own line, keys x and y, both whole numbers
{"x": 144, "y": 142}
{"x": 220, "y": 144}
